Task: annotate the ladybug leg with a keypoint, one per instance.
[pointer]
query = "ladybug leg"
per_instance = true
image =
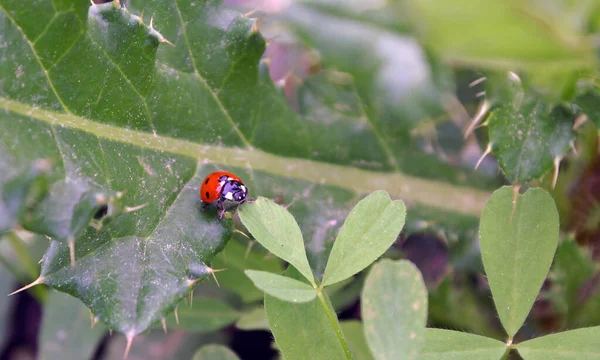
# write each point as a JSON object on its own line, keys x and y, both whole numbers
{"x": 221, "y": 208}
{"x": 204, "y": 206}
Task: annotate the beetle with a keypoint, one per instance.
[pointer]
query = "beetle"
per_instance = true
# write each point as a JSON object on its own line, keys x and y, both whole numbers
{"x": 220, "y": 187}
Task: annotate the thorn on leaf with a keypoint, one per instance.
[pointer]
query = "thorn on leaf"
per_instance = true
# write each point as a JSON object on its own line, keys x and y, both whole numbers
{"x": 129, "y": 337}
{"x": 487, "y": 151}
{"x": 164, "y": 324}
{"x": 213, "y": 271}
{"x": 477, "y": 81}
{"x": 37, "y": 281}
{"x": 483, "y": 109}
{"x": 71, "y": 243}
{"x": 250, "y": 12}
{"x": 556, "y": 171}
{"x": 256, "y": 26}
{"x": 135, "y": 208}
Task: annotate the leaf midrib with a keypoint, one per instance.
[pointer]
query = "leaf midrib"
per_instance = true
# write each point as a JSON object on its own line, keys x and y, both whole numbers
{"x": 453, "y": 198}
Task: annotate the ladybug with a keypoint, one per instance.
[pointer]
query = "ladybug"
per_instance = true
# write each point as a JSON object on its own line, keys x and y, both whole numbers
{"x": 220, "y": 187}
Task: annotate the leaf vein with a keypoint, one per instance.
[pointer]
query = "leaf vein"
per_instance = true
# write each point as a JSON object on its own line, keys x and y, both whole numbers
{"x": 211, "y": 91}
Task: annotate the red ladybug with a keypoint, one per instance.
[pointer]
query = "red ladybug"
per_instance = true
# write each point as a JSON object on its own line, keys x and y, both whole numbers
{"x": 220, "y": 187}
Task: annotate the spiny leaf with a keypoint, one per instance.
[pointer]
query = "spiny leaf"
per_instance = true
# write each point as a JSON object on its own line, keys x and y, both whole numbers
{"x": 275, "y": 229}
{"x": 370, "y": 229}
{"x": 100, "y": 93}
{"x": 374, "y": 92}
{"x": 394, "y": 288}
{"x": 518, "y": 236}
{"x": 282, "y": 287}
{"x": 453, "y": 345}
{"x": 529, "y": 136}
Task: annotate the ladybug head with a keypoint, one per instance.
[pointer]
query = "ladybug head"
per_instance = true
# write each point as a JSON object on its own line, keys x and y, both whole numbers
{"x": 234, "y": 191}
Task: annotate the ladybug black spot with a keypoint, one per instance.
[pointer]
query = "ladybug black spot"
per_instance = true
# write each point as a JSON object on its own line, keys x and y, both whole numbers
{"x": 206, "y": 182}
{"x": 207, "y": 195}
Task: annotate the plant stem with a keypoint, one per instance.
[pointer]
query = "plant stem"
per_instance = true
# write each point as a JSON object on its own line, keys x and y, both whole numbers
{"x": 334, "y": 322}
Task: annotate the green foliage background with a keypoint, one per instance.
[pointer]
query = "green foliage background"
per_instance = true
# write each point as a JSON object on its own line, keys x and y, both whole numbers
{"x": 113, "y": 119}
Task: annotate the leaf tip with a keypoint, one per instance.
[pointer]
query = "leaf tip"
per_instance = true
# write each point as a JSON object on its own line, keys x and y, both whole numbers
{"x": 37, "y": 281}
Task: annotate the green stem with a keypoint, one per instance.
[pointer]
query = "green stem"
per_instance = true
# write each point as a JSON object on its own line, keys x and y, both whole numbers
{"x": 334, "y": 322}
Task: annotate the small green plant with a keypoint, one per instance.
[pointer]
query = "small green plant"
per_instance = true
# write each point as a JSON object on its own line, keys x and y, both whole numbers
{"x": 519, "y": 236}
{"x": 300, "y": 313}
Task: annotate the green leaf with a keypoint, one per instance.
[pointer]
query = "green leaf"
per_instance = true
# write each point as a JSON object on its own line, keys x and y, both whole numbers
{"x": 355, "y": 336}
{"x": 384, "y": 102}
{"x": 135, "y": 296}
{"x": 394, "y": 287}
{"x": 503, "y": 35}
{"x": 302, "y": 331}
{"x": 215, "y": 352}
{"x": 132, "y": 271}
{"x": 66, "y": 331}
{"x": 282, "y": 287}
{"x": 528, "y": 135}
{"x": 568, "y": 345}
{"x": 275, "y": 229}
{"x": 518, "y": 241}
{"x": 235, "y": 258}
{"x": 454, "y": 345}
{"x": 255, "y": 319}
{"x": 115, "y": 109}
{"x": 204, "y": 315}
{"x": 370, "y": 229}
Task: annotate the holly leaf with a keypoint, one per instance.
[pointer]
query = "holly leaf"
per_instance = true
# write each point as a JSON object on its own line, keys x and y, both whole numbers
{"x": 130, "y": 125}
